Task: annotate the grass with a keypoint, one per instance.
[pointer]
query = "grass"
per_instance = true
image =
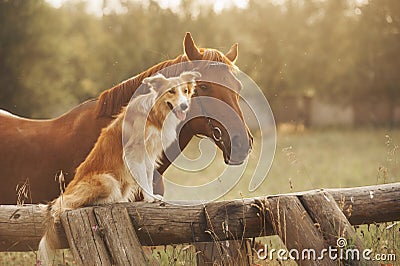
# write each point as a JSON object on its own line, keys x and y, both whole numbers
{"x": 313, "y": 159}
{"x": 310, "y": 159}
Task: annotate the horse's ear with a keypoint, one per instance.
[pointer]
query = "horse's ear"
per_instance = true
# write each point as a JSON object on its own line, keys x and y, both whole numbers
{"x": 190, "y": 48}
{"x": 232, "y": 54}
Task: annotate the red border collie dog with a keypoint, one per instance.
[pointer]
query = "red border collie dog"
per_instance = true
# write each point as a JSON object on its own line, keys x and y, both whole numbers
{"x": 148, "y": 124}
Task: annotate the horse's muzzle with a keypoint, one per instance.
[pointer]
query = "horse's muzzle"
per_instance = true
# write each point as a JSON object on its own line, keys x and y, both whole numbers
{"x": 239, "y": 150}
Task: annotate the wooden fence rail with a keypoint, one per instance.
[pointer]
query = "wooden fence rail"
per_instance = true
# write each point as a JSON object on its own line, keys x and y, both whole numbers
{"x": 21, "y": 227}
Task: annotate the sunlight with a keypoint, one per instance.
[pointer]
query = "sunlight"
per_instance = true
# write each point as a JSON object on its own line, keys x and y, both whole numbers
{"x": 56, "y": 3}
{"x": 361, "y": 2}
{"x": 96, "y": 7}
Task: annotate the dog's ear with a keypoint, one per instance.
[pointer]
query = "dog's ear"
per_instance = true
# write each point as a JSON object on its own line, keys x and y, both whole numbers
{"x": 190, "y": 76}
{"x": 155, "y": 82}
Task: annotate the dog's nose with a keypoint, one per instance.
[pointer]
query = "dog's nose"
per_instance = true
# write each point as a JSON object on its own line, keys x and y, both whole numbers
{"x": 184, "y": 106}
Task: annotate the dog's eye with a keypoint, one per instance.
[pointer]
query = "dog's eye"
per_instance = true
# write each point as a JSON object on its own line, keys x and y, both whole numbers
{"x": 172, "y": 91}
{"x": 186, "y": 91}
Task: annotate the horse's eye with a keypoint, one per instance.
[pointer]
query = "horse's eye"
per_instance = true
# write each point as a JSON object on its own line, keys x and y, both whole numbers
{"x": 203, "y": 86}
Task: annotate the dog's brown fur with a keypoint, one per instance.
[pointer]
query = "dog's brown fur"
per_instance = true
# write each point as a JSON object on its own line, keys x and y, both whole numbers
{"x": 104, "y": 176}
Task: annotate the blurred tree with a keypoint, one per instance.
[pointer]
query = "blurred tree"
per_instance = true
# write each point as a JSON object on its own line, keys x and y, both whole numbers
{"x": 377, "y": 56}
{"x": 54, "y": 58}
{"x": 45, "y": 57}
{"x": 19, "y": 30}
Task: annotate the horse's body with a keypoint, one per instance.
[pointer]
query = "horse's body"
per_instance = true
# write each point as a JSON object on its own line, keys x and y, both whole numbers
{"x": 36, "y": 150}
{"x": 39, "y": 149}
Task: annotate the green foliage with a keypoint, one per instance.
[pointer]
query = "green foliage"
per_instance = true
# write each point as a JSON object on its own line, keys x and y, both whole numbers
{"x": 54, "y": 58}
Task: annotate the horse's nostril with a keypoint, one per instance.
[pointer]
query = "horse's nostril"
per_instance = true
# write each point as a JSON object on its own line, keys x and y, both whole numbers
{"x": 184, "y": 106}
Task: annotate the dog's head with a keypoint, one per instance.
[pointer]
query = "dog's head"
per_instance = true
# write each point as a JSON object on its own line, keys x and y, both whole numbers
{"x": 173, "y": 94}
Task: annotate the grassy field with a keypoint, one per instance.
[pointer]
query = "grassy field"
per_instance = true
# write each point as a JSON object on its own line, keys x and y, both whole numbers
{"x": 312, "y": 159}
{"x": 303, "y": 160}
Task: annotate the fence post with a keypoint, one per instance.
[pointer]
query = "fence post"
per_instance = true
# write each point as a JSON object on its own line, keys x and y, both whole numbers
{"x": 322, "y": 208}
{"x": 102, "y": 236}
{"x": 120, "y": 236}
{"x": 222, "y": 251}
{"x": 86, "y": 244}
{"x": 295, "y": 227}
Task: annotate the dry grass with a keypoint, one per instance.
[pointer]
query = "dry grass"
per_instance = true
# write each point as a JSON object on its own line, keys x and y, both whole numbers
{"x": 313, "y": 159}
{"x": 304, "y": 160}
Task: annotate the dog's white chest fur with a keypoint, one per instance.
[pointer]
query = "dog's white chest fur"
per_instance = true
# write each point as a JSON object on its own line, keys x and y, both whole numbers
{"x": 154, "y": 117}
{"x": 158, "y": 141}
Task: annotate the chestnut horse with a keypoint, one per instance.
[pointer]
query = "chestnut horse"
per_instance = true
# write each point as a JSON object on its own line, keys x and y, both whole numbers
{"x": 36, "y": 150}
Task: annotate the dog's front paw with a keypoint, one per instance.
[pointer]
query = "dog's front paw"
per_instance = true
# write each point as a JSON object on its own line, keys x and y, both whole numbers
{"x": 148, "y": 198}
{"x": 152, "y": 198}
{"x": 158, "y": 197}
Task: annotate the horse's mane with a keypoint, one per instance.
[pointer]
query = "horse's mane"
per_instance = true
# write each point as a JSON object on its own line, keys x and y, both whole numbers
{"x": 112, "y": 100}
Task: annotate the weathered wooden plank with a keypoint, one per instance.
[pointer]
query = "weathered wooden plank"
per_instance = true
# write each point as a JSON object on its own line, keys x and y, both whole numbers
{"x": 296, "y": 229}
{"x": 370, "y": 204}
{"x": 172, "y": 224}
{"x": 85, "y": 238}
{"x": 228, "y": 252}
{"x": 21, "y": 227}
{"x": 119, "y": 235}
{"x": 156, "y": 224}
{"x": 160, "y": 223}
{"x": 325, "y": 212}
{"x": 365, "y": 205}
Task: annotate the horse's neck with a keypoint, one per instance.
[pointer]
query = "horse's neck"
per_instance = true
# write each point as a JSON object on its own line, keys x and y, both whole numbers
{"x": 111, "y": 101}
{"x": 135, "y": 82}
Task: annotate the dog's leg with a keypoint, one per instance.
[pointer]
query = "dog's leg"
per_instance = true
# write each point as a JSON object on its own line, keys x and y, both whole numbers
{"x": 150, "y": 172}
{"x": 136, "y": 161}
{"x": 139, "y": 171}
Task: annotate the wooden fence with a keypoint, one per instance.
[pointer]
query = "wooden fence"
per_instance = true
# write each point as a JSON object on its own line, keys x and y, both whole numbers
{"x": 114, "y": 234}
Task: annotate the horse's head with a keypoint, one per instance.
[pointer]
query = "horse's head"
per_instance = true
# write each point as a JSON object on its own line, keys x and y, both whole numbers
{"x": 215, "y": 106}
{"x": 222, "y": 122}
